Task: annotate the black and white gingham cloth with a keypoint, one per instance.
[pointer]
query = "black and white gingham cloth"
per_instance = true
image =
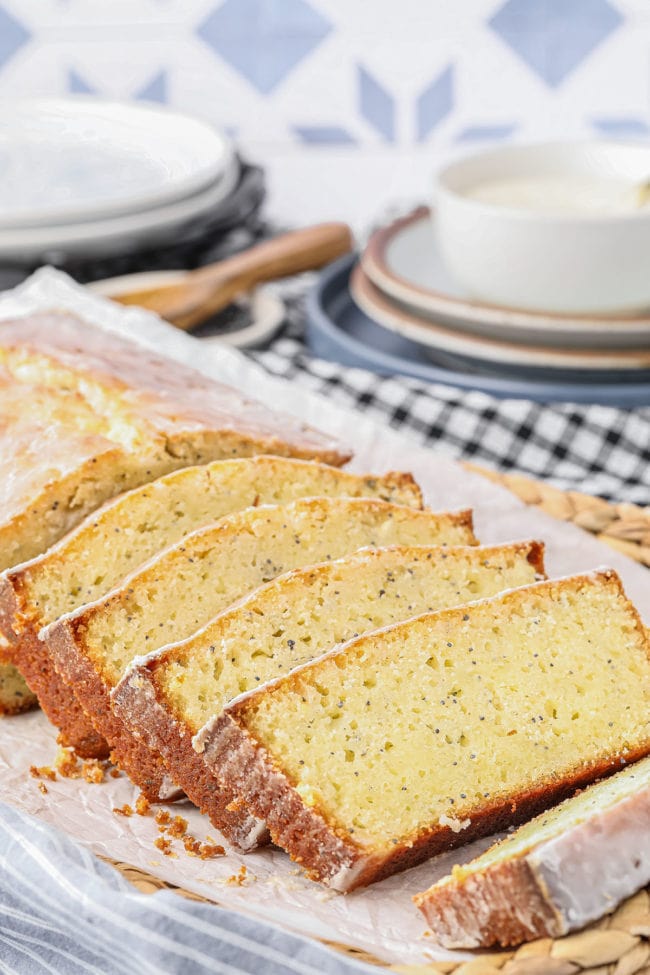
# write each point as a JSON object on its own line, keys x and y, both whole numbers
{"x": 600, "y": 450}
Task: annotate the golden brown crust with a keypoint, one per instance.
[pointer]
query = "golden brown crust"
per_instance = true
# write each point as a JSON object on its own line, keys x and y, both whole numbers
{"x": 137, "y": 695}
{"x": 57, "y": 697}
{"x": 505, "y": 906}
{"x": 328, "y": 853}
{"x": 170, "y": 397}
{"x": 93, "y": 695}
{"x": 32, "y": 658}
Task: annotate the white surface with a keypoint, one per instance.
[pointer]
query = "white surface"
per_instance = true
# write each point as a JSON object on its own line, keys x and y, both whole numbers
{"x": 415, "y": 275}
{"x": 78, "y": 159}
{"x": 116, "y": 235}
{"x": 381, "y": 919}
{"x": 527, "y": 258}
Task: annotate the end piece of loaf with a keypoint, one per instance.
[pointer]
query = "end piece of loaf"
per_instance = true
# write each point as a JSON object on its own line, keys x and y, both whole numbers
{"x": 88, "y": 415}
{"x": 113, "y": 541}
{"x": 422, "y": 736}
{"x": 168, "y": 696}
{"x": 184, "y": 587}
{"x": 559, "y": 872}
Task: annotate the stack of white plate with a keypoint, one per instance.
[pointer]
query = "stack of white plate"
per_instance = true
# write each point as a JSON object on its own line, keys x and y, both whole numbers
{"x": 401, "y": 283}
{"x": 84, "y": 178}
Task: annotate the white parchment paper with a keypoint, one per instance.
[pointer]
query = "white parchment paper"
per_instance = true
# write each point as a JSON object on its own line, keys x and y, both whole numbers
{"x": 382, "y": 919}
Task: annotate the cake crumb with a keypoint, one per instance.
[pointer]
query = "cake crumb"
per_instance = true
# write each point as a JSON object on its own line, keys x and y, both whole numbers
{"x": 177, "y": 828}
{"x": 192, "y": 846}
{"x": 67, "y": 764}
{"x": 209, "y": 851}
{"x": 124, "y": 810}
{"x": 204, "y": 851}
{"x": 42, "y": 772}
{"x": 238, "y": 879}
{"x": 455, "y": 825}
{"x": 93, "y": 771}
{"x": 162, "y": 818}
{"x": 164, "y": 845}
{"x": 115, "y": 773}
{"x": 43, "y": 788}
{"x": 142, "y": 805}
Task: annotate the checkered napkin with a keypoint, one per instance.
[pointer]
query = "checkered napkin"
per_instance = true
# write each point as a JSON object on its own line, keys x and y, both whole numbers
{"x": 600, "y": 450}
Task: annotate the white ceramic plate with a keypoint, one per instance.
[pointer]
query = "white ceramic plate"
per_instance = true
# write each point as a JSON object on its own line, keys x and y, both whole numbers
{"x": 498, "y": 353}
{"x": 115, "y": 235}
{"x": 75, "y": 159}
{"x": 402, "y": 260}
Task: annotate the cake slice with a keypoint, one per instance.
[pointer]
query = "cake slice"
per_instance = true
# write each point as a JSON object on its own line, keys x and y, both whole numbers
{"x": 167, "y": 697}
{"x": 564, "y": 869}
{"x": 185, "y": 586}
{"x": 85, "y": 415}
{"x": 127, "y": 531}
{"x": 183, "y": 415}
{"x": 431, "y": 732}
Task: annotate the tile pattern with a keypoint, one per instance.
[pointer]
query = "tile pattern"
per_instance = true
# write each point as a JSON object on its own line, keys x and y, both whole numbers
{"x": 262, "y": 40}
{"x": 344, "y": 101}
{"x": 554, "y": 37}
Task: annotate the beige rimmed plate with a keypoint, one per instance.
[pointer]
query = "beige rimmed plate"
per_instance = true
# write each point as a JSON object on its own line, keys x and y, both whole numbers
{"x": 438, "y": 338}
{"x": 403, "y": 262}
{"x": 263, "y": 313}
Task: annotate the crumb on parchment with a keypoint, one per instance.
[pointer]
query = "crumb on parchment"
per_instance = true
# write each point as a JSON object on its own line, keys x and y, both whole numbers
{"x": 42, "y": 772}
{"x": 176, "y": 829}
{"x": 142, "y": 805}
{"x": 124, "y": 810}
{"x": 238, "y": 879}
{"x": 164, "y": 845}
{"x": 68, "y": 766}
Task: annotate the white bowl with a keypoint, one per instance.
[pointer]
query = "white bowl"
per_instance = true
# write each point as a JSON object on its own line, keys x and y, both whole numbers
{"x": 587, "y": 253}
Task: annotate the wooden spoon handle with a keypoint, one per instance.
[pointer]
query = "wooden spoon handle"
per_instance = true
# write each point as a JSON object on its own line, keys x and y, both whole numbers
{"x": 212, "y": 288}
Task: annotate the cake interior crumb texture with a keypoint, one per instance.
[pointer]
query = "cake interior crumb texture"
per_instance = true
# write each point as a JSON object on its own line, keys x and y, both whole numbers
{"x": 15, "y": 695}
{"x": 589, "y": 804}
{"x": 106, "y": 415}
{"x": 85, "y": 415}
{"x": 307, "y": 612}
{"x": 558, "y": 872}
{"x": 188, "y": 584}
{"x": 122, "y": 535}
{"x": 435, "y": 720}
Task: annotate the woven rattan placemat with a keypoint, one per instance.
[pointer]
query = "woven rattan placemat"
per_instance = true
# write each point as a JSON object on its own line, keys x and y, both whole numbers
{"x": 620, "y": 943}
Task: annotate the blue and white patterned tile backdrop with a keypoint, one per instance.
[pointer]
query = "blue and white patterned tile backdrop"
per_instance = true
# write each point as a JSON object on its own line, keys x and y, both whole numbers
{"x": 351, "y": 104}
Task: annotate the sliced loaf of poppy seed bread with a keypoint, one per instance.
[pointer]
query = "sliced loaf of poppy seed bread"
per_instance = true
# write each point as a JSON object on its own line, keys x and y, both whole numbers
{"x": 431, "y": 732}
{"x": 85, "y": 414}
{"x": 167, "y": 697}
{"x": 95, "y": 557}
{"x": 185, "y": 586}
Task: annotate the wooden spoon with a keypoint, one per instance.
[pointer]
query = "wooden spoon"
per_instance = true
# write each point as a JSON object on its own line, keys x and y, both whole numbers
{"x": 202, "y": 293}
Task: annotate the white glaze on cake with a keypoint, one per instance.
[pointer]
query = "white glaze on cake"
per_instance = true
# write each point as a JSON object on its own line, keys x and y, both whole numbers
{"x": 563, "y": 870}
